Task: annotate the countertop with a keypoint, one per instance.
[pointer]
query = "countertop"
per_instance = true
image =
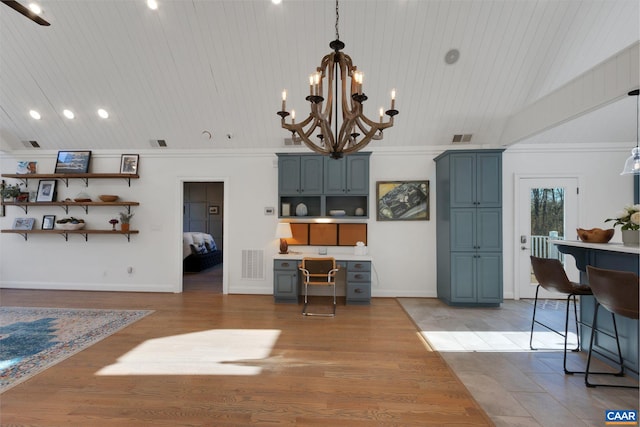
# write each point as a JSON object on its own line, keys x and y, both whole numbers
{"x": 613, "y": 247}
{"x": 338, "y": 256}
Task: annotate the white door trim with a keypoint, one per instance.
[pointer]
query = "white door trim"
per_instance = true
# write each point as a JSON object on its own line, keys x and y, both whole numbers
{"x": 517, "y": 213}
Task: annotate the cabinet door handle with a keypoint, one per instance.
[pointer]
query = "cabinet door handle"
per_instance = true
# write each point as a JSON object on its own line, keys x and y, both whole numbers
{"x": 358, "y": 276}
{"x": 358, "y": 265}
{"x": 285, "y": 264}
{"x": 358, "y": 290}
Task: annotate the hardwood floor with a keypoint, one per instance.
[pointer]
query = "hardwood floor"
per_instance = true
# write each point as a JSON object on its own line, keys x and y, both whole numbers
{"x": 367, "y": 366}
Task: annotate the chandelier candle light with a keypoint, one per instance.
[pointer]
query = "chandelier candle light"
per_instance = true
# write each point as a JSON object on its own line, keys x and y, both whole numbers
{"x": 356, "y": 130}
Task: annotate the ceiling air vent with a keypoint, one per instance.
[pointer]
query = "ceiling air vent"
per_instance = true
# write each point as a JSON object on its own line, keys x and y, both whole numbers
{"x": 461, "y": 138}
{"x": 158, "y": 143}
{"x": 291, "y": 141}
{"x": 31, "y": 144}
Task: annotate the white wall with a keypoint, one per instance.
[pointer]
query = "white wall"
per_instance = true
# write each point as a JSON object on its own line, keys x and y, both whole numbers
{"x": 403, "y": 252}
{"x": 603, "y": 191}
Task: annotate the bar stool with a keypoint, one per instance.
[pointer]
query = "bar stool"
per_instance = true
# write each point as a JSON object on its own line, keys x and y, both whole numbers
{"x": 617, "y": 292}
{"x": 552, "y": 277}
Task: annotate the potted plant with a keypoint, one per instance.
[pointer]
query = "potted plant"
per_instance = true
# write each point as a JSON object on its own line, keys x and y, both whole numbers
{"x": 629, "y": 221}
{"x": 125, "y": 218}
{"x": 9, "y": 192}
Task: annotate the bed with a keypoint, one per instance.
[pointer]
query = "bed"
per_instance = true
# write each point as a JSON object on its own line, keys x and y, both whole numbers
{"x": 199, "y": 252}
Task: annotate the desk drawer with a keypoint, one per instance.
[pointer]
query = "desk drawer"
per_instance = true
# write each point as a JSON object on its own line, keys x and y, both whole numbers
{"x": 288, "y": 264}
{"x": 358, "y": 292}
{"x": 359, "y": 266}
{"x": 358, "y": 276}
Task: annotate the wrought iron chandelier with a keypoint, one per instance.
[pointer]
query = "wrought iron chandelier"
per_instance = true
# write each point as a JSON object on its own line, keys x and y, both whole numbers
{"x": 356, "y": 129}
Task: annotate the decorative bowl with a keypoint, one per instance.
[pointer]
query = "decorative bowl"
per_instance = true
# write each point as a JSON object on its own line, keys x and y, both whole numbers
{"x": 70, "y": 226}
{"x": 595, "y": 235}
{"x": 108, "y": 197}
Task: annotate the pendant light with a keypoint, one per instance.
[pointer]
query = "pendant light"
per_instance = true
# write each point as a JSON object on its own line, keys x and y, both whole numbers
{"x": 632, "y": 165}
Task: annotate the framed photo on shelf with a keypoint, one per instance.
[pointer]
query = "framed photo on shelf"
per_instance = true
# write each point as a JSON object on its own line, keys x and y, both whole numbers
{"x": 22, "y": 197}
{"x": 46, "y": 190}
{"x": 27, "y": 167}
{"x": 73, "y": 161}
{"x": 129, "y": 163}
{"x": 23, "y": 223}
{"x": 48, "y": 222}
{"x": 402, "y": 200}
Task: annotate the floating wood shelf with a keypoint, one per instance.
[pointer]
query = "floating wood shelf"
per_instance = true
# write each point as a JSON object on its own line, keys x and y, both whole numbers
{"x": 65, "y": 177}
{"x": 66, "y": 233}
{"x": 65, "y": 205}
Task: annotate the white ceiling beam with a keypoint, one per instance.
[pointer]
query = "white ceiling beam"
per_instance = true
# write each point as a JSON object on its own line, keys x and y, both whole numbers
{"x": 605, "y": 83}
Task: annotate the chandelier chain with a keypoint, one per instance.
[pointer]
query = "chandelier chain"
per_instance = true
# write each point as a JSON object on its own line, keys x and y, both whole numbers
{"x": 337, "y": 20}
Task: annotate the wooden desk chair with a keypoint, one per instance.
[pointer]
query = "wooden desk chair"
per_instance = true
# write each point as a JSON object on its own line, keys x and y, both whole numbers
{"x": 318, "y": 272}
{"x": 617, "y": 292}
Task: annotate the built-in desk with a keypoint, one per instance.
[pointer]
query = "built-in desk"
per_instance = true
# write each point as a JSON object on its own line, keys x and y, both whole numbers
{"x": 612, "y": 256}
{"x": 357, "y": 274}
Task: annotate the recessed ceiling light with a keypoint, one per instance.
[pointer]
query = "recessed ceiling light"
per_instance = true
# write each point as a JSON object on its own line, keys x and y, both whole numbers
{"x": 152, "y": 4}
{"x": 276, "y": 1}
{"x": 68, "y": 114}
{"x": 35, "y": 114}
{"x": 103, "y": 113}
{"x": 35, "y": 8}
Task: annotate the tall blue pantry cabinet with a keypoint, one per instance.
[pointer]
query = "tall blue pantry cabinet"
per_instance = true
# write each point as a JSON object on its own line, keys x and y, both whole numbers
{"x": 469, "y": 227}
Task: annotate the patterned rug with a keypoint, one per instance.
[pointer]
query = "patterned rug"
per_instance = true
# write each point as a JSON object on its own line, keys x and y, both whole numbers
{"x": 35, "y": 338}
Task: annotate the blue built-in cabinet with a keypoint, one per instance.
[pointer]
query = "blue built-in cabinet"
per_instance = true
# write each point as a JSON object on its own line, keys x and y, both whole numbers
{"x": 469, "y": 227}
{"x": 324, "y": 185}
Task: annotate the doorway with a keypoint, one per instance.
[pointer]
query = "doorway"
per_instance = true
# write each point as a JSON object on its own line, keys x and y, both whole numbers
{"x": 546, "y": 209}
{"x": 203, "y": 212}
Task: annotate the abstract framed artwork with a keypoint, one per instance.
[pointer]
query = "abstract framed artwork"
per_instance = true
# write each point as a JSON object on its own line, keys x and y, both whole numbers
{"x": 73, "y": 161}
{"x": 402, "y": 200}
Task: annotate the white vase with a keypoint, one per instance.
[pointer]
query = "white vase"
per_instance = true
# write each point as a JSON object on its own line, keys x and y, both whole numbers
{"x": 631, "y": 237}
{"x": 301, "y": 209}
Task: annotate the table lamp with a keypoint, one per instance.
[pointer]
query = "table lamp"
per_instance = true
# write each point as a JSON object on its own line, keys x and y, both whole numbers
{"x": 283, "y": 232}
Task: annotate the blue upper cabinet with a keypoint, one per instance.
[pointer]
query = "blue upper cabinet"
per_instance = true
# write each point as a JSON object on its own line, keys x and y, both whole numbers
{"x": 335, "y": 175}
{"x": 289, "y": 175}
{"x": 477, "y": 179}
{"x": 347, "y": 176}
{"x": 311, "y": 173}
{"x": 300, "y": 174}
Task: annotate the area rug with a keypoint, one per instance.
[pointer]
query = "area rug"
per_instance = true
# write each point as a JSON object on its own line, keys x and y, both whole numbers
{"x": 35, "y": 338}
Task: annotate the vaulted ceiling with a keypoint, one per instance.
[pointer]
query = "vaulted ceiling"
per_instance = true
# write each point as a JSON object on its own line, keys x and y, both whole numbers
{"x": 220, "y": 65}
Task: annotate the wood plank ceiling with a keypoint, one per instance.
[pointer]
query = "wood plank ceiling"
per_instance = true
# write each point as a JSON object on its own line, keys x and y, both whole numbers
{"x": 220, "y": 65}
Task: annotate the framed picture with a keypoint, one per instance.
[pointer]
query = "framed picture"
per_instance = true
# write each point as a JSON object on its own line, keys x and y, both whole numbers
{"x": 46, "y": 190}
{"x": 214, "y": 210}
{"x": 27, "y": 167}
{"x": 402, "y": 200}
{"x": 23, "y": 223}
{"x": 48, "y": 222}
{"x": 129, "y": 163}
{"x": 73, "y": 161}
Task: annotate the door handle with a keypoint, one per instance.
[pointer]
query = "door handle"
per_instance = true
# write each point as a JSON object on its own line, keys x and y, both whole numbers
{"x": 524, "y": 248}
